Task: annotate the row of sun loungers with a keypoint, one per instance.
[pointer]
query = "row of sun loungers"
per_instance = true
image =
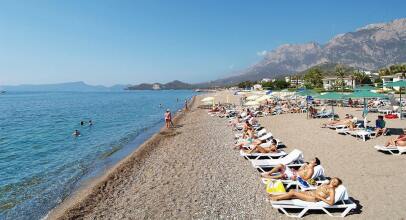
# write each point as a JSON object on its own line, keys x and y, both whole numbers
{"x": 266, "y": 161}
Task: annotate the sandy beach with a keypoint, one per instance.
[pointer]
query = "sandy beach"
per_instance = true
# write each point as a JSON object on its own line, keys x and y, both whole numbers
{"x": 192, "y": 172}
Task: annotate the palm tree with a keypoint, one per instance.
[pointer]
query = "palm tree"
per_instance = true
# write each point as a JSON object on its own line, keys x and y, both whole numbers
{"x": 340, "y": 73}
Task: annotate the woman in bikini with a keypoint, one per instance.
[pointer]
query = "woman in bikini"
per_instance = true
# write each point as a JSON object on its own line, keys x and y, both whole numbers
{"x": 258, "y": 149}
{"x": 400, "y": 141}
{"x": 284, "y": 172}
{"x": 325, "y": 193}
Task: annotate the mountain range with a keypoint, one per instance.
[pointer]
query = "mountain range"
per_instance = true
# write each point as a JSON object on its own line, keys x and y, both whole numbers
{"x": 64, "y": 87}
{"x": 368, "y": 48}
{"x": 171, "y": 85}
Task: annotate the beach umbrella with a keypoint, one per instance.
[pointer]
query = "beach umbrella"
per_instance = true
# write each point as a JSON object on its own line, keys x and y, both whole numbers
{"x": 400, "y": 84}
{"x": 365, "y": 94}
{"x": 251, "y": 103}
{"x": 252, "y": 97}
{"x": 364, "y": 87}
{"x": 307, "y": 92}
{"x": 331, "y": 96}
{"x": 208, "y": 99}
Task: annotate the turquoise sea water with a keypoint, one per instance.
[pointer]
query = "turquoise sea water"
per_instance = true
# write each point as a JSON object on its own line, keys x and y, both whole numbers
{"x": 41, "y": 162}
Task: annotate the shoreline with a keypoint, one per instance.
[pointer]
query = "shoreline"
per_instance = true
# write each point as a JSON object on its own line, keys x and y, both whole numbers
{"x": 90, "y": 187}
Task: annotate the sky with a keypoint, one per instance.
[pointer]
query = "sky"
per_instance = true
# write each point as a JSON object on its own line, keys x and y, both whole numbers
{"x": 107, "y": 42}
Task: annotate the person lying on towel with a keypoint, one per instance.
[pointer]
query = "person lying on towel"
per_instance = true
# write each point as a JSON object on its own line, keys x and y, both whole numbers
{"x": 320, "y": 194}
{"x": 258, "y": 149}
{"x": 282, "y": 171}
{"x": 400, "y": 141}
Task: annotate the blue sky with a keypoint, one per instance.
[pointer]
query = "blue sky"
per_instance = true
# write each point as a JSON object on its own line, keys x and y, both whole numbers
{"x": 109, "y": 42}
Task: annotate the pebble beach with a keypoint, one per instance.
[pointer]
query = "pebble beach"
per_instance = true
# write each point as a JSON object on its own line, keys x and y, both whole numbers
{"x": 193, "y": 172}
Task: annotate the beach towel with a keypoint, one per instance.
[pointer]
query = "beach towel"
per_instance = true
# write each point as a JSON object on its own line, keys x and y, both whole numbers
{"x": 275, "y": 187}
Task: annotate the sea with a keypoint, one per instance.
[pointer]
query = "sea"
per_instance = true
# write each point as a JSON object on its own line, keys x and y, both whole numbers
{"x": 41, "y": 162}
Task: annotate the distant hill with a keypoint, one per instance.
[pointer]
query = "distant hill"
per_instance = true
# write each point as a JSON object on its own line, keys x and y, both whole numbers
{"x": 328, "y": 69}
{"x": 63, "y": 87}
{"x": 171, "y": 85}
{"x": 369, "y": 48}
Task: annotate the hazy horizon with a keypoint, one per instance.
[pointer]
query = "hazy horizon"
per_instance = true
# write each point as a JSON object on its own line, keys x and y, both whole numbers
{"x": 108, "y": 43}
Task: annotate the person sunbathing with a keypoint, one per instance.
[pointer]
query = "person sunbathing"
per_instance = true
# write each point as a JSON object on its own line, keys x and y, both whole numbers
{"x": 325, "y": 193}
{"x": 284, "y": 172}
{"x": 400, "y": 141}
{"x": 258, "y": 149}
{"x": 350, "y": 122}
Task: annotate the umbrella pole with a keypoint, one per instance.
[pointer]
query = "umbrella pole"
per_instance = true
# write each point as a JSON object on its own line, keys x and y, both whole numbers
{"x": 307, "y": 111}
{"x": 400, "y": 104}
{"x": 332, "y": 109}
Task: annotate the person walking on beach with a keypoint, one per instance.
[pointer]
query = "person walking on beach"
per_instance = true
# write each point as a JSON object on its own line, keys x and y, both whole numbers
{"x": 168, "y": 118}
{"x": 186, "y": 108}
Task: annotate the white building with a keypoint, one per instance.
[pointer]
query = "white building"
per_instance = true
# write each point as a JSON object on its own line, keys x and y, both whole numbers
{"x": 391, "y": 78}
{"x": 334, "y": 82}
{"x": 257, "y": 87}
{"x": 294, "y": 81}
{"x": 156, "y": 87}
{"x": 266, "y": 80}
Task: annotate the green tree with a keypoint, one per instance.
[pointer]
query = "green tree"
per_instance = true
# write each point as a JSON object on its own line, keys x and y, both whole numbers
{"x": 268, "y": 85}
{"x": 340, "y": 73}
{"x": 361, "y": 78}
{"x": 313, "y": 78}
{"x": 245, "y": 84}
{"x": 280, "y": 84}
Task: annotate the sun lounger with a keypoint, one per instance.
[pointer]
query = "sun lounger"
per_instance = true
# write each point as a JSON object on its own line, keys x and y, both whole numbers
{"x": 342, "y": 201}
{"x": 363, "y": 134}
{"x": 256, "y": 156}
{"x": 294, "y": 158}
{"x": 326, "y": 114}
{"x": 340, "y": 126}
{"x": 395, "y": 150}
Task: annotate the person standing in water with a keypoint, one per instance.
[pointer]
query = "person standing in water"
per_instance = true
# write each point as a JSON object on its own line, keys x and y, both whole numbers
{"x": 168, "y": 118}
{"x": 90, "y": 123}
{"x": 76, "y": 133}
{"x": 82, "y": 123}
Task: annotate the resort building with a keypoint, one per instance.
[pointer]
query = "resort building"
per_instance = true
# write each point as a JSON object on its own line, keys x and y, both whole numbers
{"x": 264, "y": 80}
{"x": 392, "y": 78}
{"x": 257, "y": 87}
{"x": 330, "y": 83}
{"x": 294, "y": 81}
{"x": 156, "y": 87}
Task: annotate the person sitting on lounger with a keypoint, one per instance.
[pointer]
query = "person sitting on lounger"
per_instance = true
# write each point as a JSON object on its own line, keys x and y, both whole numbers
{"x": 400, "y": 141}
{"x": 258, "y": 149}
{"x": 325, "y": 193}
{"x": 285, "y": 172}
{"x": 380, "y": 126}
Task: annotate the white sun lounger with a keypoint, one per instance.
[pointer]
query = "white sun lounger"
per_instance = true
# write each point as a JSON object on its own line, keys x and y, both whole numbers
{"x": 256, "y": 156}
{"x": 395, "y": 150}
{"x": 342, "y": 201}
{"x": 295, "y": 157}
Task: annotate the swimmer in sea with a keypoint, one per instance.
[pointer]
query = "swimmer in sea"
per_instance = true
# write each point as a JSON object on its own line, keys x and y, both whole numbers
{"x": 76, "y": 133}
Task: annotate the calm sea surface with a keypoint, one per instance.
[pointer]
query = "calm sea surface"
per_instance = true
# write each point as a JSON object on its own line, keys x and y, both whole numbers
{"x": 41, "y": 162}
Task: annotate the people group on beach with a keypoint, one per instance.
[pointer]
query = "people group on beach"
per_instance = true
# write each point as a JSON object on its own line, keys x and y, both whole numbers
{"x": 250, "y": 142}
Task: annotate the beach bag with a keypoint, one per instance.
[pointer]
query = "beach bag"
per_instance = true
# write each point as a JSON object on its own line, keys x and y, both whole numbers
{"x": 275, "y": 187}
